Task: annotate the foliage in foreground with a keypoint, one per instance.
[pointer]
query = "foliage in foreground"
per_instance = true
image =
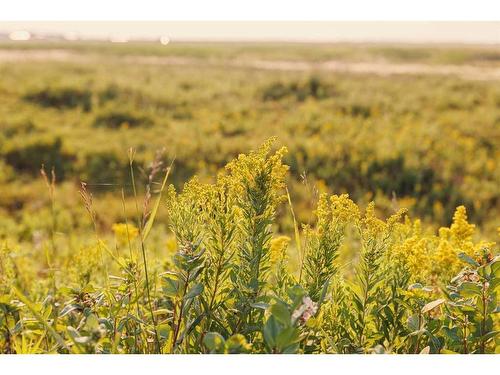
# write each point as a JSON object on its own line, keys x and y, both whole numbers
{"x": 228, "y": 285}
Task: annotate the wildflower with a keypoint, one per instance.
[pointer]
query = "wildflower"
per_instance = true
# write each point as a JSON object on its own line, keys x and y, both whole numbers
{"x": 414, "y": 254}
{"x": 461, "y": 230}
{"x": 395, "y": 218}
{"x": 305, "y": 311}
{"x": 343, "y": 209}
{"x": 278, "y": 248}
{"x": 324, "y": 241}
{"x": 259, "y": 171}
{"x": 124, "y": 232}
{"x": 257, "y": 182}
{"x": 7, "y": 268}
{"x": 374, "y": 226}
{"x": 186, "y": 212}
{"x": 445, "y": 261}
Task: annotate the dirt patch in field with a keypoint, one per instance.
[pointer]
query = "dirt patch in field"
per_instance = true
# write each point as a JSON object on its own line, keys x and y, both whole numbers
{"x": 383, "y": 68}
{"x": 379, "y": 68}
{"x": 7, "y": 56}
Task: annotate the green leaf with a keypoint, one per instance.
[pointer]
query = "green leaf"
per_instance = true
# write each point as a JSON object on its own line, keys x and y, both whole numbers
{"x": 464, "y": 257}
{"x": 413, "y": 323}
{"x": 214, "y": 341}
{"x": 281, "y": 313}
{"x": 237, "y": 344}
{"x": 271, "y": 331}
{"x": 194, "y": 291}
{"x": 490, "y": 335}
{"x": 469, "y": 289}
{"x": 92, "y": 323}
{"x": 448, "y": 351}
{"x": 152, "y": 216}
{"x": 494, "y": 283}
{"x": 452, "y": 333}
{"x": 171, "y": 287}
{"x": 260, "y": 305}
{"x": 83, "y": 339}
{"x": 37, "y": 315}
{"x": 164, "y": 331}
{"x": 415, "y": 286}
{"x": 292, "y": 349}
{"x": 287, "y": 337}
{"x": 495, "y": 267}
{"x": 432, "y": 305}
{"x": 324, "y": 290}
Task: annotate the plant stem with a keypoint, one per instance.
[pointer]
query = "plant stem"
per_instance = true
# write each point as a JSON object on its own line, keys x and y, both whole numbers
{"x": 143, "y": 250}
{"x": 482, "y": 346}
{"x": 417, "y": 347}
{"x": 150, "y": 305}
{"x": 465, "y": 334}
{"x": 179, "y": 318}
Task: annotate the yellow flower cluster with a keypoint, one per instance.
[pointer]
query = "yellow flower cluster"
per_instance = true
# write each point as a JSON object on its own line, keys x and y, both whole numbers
{"x": 374, "y": 227}
{"x": 278, "y": 248}
{"x": 461, "y": 230}
{"x": 248, "y": 168}
{"x": 333, "y": 214}
{"x": 432, "y": 258}
{"x": 124, "y": 233}
{"x": 7, "y": 269}
{"x": 445, "y": 261}
{"x": 413, "y": 252}
{"x": 185, "y": 210}
{"x": 343, "y": 208}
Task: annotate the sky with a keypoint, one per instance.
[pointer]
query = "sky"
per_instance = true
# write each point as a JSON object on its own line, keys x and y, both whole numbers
{"x": 316, "y": 31}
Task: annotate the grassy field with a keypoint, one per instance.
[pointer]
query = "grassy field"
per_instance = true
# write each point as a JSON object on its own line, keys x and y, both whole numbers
{"x": 414, "y": 127}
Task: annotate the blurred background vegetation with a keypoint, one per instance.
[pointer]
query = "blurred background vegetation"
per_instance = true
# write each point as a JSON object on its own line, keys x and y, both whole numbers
{"x": 406, "y": 126}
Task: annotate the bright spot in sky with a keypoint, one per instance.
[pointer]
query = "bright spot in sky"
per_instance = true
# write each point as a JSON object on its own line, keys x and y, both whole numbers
{"x": 20, "y": 35}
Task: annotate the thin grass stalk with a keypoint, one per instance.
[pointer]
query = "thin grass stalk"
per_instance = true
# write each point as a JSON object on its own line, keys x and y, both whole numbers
{"x": 143, "y": 250}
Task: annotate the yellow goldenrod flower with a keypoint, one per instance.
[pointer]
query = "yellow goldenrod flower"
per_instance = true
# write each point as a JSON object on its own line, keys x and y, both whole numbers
{"x": 124, "y": 233}
{"x": 461, "y": 230}
{"x": 374, "y": 226}
{"x": 278, "y": 248}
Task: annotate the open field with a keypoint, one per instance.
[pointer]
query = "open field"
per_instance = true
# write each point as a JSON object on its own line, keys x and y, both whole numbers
{"x": 408, "y": 127}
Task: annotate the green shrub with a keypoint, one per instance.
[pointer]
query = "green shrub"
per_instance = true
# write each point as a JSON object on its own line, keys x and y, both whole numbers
{"x": 106, "y": 171}
{"x": 116, "y": 119}
{"x": 48, "y": 152}
{"x": 300, "y": 91}
{"x": 61, "y": 98}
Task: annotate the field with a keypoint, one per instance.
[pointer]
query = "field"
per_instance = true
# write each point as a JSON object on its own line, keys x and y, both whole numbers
{"x": 104, "y": 248}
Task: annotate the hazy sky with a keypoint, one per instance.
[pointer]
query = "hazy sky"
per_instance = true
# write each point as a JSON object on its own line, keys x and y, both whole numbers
{"x": 451, "y": 32}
